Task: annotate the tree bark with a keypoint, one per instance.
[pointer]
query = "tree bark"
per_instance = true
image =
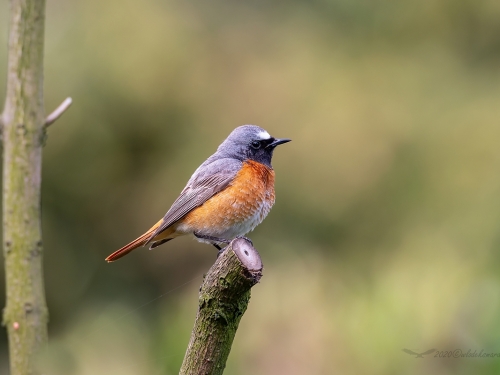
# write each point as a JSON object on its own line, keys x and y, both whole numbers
{"x": 224, "y": 296}
{"x": 25, "y": 314}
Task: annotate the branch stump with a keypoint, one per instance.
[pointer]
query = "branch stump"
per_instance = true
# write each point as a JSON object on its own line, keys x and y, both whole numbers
{"x": 223, "y": 299}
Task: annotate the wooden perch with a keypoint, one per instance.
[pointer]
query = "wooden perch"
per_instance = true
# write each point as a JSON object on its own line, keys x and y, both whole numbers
{"x": 224, "y": 296}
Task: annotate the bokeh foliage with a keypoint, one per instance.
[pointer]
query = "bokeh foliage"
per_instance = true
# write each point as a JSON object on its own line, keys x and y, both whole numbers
{"x": 385, "y": 233}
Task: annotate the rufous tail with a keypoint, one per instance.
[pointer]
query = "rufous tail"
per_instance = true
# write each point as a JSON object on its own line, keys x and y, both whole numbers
{"x": 138, "y": 242}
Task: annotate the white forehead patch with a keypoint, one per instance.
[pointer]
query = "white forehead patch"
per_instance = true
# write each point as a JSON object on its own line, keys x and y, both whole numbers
{"x": 263, "y": 135}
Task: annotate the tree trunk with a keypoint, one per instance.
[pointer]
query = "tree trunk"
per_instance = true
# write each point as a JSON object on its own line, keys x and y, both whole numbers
{"x": 25, "y": 314}
{"x": 224, "y": 296}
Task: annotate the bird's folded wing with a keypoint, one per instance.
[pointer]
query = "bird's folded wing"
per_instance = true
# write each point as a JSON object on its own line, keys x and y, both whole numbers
{"x": 209, "y": 179}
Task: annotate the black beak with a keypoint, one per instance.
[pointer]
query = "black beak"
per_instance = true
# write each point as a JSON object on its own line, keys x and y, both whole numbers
{"x": 277, "y": 142}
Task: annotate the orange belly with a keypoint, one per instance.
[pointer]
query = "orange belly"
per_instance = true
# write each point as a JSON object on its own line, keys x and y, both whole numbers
{"x": 236, "y": 210}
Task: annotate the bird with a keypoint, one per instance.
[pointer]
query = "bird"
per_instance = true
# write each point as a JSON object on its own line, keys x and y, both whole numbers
{"x": 419, "y": 355}
{"x": 226, "y": 197}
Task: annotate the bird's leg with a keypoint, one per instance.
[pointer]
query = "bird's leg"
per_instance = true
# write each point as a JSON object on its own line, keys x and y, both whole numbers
{"x": 214, "y": 241}
{"x": 210, "y": 238}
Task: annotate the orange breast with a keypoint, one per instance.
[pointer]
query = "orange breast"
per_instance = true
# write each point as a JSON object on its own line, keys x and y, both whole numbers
{"x": 237, "y": 209}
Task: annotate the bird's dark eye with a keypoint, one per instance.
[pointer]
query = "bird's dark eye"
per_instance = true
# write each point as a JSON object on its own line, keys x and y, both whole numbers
{"x": 255, "y": 144}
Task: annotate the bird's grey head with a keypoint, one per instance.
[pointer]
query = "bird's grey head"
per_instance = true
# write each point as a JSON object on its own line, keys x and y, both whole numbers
{"x": 250, "y": 142}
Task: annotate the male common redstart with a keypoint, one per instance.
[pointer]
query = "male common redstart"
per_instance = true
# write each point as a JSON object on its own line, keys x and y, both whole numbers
{"x": 226, "y": 197}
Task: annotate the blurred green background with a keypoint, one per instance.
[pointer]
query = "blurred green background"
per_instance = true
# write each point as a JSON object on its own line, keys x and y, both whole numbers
{"x": 386, "y": 229}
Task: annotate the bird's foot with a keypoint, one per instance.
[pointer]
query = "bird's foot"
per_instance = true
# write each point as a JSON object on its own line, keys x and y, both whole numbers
{"x": 219, "y": 253}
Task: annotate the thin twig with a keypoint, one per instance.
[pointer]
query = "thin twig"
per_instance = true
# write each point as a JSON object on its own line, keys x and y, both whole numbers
{"x": 58, "y": 111}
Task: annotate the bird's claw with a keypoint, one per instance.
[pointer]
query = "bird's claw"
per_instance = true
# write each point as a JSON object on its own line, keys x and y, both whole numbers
{"x": 219, "y": 253}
